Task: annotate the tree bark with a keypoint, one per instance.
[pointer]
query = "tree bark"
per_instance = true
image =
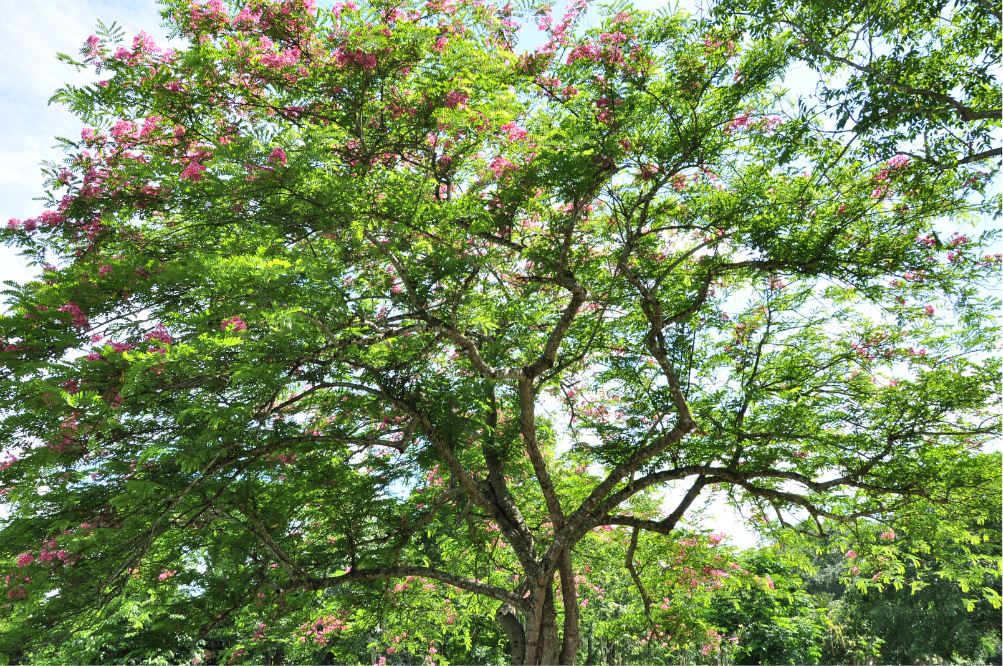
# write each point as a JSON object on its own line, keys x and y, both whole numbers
{"x": 508, "y": 618}
{"x": 542, "y": 640}
{"x": 572, "y": 637}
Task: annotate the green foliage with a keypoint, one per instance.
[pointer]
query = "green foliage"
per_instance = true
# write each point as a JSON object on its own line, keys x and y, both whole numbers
{"x": 366, "y": 337}
{"x": 913, "y": 76}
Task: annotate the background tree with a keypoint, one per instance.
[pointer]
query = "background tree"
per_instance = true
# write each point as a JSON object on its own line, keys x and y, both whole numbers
{"x": 914, "y": 76}
{"x": 347, "y": 309}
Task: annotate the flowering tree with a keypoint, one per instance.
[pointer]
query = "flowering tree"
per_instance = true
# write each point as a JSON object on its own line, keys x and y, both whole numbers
{"x": 347, "y": 309}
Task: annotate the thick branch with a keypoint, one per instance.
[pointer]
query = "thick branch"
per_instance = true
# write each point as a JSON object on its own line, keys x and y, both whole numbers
{"x": 514, "y": 524}
{"x": 546, "y": 360}
{"x": 527, "y": 424}
{"x": 572, "y": 637}
{"x": 469, "y": 584}
{"x": 563, "y": 536}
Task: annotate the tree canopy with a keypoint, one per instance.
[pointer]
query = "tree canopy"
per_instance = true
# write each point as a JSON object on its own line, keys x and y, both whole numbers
{"x": 355, "y": 313}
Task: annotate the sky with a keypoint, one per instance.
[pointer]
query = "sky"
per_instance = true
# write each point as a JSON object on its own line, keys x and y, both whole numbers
{"x": 36, "y": 31}
{"x": 30, "y": 73}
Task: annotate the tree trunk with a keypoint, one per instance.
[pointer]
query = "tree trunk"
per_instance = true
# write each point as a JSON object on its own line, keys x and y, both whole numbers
{"x": 542, "y": 640}
{"x": 572, "y": 637}
{"x": 538, "y": 642}
{"x": 508, "y": 618}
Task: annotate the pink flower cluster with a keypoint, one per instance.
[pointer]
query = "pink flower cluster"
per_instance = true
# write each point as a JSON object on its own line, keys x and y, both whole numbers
{"x": 500, "y": 165}
{"x": 322, "y": 628}
{"x": 365, "y": 60}
{"x": 233, "y": 325}
{"x": 280, "y": 59}
{"x": 160, "y": 334}
{"x": 193, "y": 172}
{"x": 513, "y": 132}
{"x": 49, "y": 217}
{"x": 338, "y": 7}
{"x": 65, "y": 556}
{"x": 79, "y": 318}
{"x": 456, "y": 99}
{"x": 741, "y": 121}
{"x": 898, "y": 162}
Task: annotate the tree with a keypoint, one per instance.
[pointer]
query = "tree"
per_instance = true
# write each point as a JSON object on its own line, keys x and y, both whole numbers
{"x": 355, "y": 309}
{"x": 909, "y": 75}
{"x": 917, "y": 614}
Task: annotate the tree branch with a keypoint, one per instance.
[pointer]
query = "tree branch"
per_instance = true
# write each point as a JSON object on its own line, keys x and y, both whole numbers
{"x": 469, "y": 584}
{"x": 645, "y": 599}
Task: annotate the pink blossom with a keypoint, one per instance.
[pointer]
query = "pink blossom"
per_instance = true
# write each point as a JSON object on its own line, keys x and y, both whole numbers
{"x": 123, "y": 129}
{"x": 500, "y": 165}
{"x": 513, "y": 132}
{"x": 51, "y": 217}
{"x": 900, "y": 161}
{"x": 741, "y": 121}
{"x": 234, "y": 324}
{"x": 278, "y": 155}
{"x": 16, "y": 593}
{"x": 648, "y": 171}
{"x": 193, "y": 172}
{"x": 149, "y": 125}
{"x": 456, "y": 99}
{"x": 143, "y": 42}
{"x": 79, "y": 318}
{"x": 888, "y": 535}
{"x": 358, "y": 56}
{"x": 93, "y": 45}
{"x": 851, "y": 554}
{"x": 338, "y": 7}
{"x": 280, "y": 60}
{"x": 165, "y": 574}
{"x": 929, "y": 309}
{"x": 160, "y": 334}
{"x": 24, "y": 559}
{"x": 13, "y": 223}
